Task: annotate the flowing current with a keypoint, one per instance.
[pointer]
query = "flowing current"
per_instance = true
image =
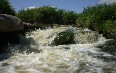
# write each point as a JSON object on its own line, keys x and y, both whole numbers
{"x": 37, "y": 54}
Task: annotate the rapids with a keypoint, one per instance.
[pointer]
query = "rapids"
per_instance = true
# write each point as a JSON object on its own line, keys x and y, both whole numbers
{"x": 37, "y": 54}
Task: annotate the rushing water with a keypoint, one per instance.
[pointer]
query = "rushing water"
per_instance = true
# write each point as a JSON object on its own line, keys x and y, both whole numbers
{"x": 36, "y": 54}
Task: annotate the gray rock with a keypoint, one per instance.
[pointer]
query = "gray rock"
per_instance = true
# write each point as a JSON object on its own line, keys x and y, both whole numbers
{"x": 10, "y": 29}
{"x": 9, "y": 23}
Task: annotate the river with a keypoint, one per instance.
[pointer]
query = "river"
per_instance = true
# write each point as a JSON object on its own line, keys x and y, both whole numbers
{"x": 36, "y": 54}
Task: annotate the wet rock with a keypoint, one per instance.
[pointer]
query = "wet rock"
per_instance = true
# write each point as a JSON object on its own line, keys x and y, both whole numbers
{"x": 63, "y": 38}
{"x": 8, "y": 38}
{"x": 9, "y": 23}
{"x": 10, "y": 29}
{"x": 29, "y": 27}
{"x": 110, "y": 35}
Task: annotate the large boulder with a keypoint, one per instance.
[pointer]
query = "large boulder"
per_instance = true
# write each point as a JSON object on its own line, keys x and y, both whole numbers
{"x": 63, "y": 38}
{"x": 9, "y": 23}
{"x": 10, "y": 29}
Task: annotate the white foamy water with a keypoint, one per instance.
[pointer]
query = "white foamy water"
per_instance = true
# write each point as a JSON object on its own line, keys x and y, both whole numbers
{"x": 72, "y": 58}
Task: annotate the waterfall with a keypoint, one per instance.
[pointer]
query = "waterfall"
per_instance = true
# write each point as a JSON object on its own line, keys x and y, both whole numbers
{"x": 86, "y": 37}
{"x": 36, "y": 53}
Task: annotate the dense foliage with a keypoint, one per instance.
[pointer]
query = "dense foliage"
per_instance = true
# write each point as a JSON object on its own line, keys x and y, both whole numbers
{"x": 6, "y": 8}
{"x": 47, "y": 15}
{"x": 99, "y": 17}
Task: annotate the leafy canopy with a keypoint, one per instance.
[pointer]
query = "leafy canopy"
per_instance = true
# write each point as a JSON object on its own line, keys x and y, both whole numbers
{"x": 6, "y": 8}
{"x": 99, "y": 17}
{"x": 47, "y": 15}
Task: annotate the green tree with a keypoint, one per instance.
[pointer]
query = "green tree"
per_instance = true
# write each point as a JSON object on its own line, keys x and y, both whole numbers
{"x": 98, "y": 17}
{"x": 59, "y": 18}
{"x": 28, "y": 15}
{"x": 42, "y": 15}
{"x": 6, "y": 8}
{"x": 69, "y": 17}
{"x": 47, "y": 15}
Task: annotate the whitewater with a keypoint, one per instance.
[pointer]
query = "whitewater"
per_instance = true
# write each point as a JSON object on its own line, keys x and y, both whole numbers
{"x": 36, "y": 54}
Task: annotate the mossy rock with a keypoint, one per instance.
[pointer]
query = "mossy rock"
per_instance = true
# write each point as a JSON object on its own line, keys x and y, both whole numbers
{"x": 64, "y": 38}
